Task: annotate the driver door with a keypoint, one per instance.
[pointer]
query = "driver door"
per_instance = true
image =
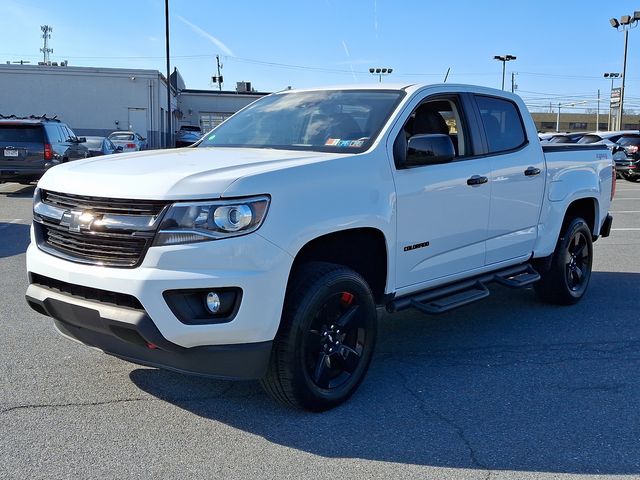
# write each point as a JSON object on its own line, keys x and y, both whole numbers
{"x": 442, "y": 208}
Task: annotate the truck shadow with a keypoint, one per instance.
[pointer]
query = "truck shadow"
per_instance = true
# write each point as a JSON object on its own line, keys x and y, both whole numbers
{"x": 510, "y": 384}
{"x": 20, "y": 191}
{"x": 14, "y": 239}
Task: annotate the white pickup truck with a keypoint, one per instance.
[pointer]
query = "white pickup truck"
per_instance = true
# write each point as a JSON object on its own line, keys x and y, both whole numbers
{"x": 263, "y": 251}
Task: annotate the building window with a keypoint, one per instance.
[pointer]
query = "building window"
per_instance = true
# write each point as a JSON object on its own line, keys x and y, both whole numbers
{"x": 603, "y": 126}
{"x": 577, "y": 125}
{"x": 630, "y": 126}
{"x": 211, "y": 120}
{"x": 547, "y": 126}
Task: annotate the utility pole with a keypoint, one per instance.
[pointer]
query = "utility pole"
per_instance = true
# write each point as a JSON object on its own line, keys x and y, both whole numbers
{"x": 166, "y": 22}
{"x": 598, "y": 113}
{"x": 46, "y": 35}
{"x": 219, "y": 77}
{"x": 513, "y": 82}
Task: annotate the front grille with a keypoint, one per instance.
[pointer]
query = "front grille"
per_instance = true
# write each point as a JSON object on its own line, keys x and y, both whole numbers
{"x": 98, "y": 246}
{"x": 98, "y": 205}
{"x": 88, "y": 293}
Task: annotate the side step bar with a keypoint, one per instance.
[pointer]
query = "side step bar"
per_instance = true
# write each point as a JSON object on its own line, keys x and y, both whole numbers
{"x": 444, "y": 299}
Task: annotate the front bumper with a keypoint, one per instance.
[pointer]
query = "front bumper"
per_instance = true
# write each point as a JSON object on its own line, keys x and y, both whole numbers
{"x": 250, "y": 263}
{"x": 130, "y": 334}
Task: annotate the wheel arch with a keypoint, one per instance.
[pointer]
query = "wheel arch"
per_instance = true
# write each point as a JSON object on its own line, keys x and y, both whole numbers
{"x": 585, "y": 208}
{"x": 364, "y": 250}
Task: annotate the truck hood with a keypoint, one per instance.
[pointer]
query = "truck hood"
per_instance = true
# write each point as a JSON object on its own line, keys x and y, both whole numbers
{"x": 176, "y": 174}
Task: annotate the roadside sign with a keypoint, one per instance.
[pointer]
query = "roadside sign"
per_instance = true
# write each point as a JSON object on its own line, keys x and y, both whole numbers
{"x": 615, "y": 97}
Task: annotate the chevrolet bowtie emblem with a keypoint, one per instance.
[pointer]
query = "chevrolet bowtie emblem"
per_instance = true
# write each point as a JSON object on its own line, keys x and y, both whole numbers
{"x": 76, "y": 220}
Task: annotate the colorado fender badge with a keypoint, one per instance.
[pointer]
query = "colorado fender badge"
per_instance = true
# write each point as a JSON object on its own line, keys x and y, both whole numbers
{"x": 414, "y": 246}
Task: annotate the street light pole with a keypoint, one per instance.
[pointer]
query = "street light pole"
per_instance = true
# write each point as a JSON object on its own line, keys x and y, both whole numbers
{"x": 166, "y": 22}
{"x": 504, "y": 59}
{"x": 624, "y": 78}
{"x": 625, "y": 23}
{"x": 380, "y": 72}
{"x": 560, "y": 105}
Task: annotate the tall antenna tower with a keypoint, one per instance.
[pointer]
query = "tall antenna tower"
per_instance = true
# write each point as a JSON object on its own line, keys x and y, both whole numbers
{"x": 46, "y": 35}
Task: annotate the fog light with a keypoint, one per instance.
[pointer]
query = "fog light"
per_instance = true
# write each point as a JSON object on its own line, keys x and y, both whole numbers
{"x": 212, "y": 301}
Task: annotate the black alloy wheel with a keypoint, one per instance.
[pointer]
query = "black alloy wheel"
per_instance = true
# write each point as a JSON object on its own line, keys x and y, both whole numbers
{"x": 326, "y": 338}
{"x": 578, "y": 262}
{"x": 336, "y": 341}
{"x": 567, "y": 279}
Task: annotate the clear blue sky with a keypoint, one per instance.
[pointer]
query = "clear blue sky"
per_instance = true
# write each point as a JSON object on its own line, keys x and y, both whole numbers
{"x": 563, "y": 48}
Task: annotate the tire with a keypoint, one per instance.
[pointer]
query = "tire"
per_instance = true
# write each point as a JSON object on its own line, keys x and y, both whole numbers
{"x": 326, "y": 338}
{"x": 566, "y": 281}
{"x": 630, "y": 177}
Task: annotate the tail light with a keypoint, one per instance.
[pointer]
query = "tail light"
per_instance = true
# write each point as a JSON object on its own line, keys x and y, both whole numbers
{"x": 613, "y": 180}
{"x": 131, "y": 145}
{"x": 48, "y": 153}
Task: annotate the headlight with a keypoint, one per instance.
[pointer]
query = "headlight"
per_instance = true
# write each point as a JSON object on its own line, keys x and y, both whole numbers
{"x": 191, "y": 222}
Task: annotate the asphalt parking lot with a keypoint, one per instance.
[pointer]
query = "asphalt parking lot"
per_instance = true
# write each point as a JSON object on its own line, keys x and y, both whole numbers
{"x": 506, "y": 388}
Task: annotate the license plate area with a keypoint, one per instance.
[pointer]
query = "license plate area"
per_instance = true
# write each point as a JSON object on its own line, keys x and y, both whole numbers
{"x": 11, "y": 153}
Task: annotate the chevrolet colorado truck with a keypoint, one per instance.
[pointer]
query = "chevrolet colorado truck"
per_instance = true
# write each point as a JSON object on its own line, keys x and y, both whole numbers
{"x": 263, "y": 251}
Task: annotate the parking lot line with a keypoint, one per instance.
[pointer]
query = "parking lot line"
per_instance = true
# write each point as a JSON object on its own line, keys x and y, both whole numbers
{"x": 624, "y": 211}
{"x": 624, "y": 229}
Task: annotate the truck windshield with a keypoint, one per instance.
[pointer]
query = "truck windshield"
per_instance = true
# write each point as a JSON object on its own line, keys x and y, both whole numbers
{"x": 342, "y": 121}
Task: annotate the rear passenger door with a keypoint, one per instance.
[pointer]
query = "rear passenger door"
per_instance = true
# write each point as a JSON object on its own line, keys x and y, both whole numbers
{"x": 517, "y": 180}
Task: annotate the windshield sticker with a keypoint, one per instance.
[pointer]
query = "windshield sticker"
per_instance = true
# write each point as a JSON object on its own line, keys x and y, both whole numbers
{"x": 211, "y": 137}
{"x": 336, "y": 142}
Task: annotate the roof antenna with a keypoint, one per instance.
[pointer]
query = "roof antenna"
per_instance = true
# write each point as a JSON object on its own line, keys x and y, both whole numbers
{"x": 447, "y": 75}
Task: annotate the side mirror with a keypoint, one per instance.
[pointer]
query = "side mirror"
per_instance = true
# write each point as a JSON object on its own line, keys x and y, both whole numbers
{"x": 119, "y": 148}
{"x": 82, "y": 139}
{"x": 429, "y": 149}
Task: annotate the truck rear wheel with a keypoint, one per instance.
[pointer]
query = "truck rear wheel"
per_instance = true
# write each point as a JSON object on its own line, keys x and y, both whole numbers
{"x": 566, "y": 281}
{"x": 326, "y": 338}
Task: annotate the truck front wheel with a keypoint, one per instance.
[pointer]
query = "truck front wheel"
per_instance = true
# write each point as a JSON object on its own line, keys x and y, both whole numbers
{"x": 326, "y": 338}
{"x": 566, "y": 281}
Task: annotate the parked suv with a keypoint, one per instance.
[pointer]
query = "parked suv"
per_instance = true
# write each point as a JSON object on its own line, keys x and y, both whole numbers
{"x": 628, "y": 157}
{"x": 187, "y": 135}
{"x": 30, "y": 146}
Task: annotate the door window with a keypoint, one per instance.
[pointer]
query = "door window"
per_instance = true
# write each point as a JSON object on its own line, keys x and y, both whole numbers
{"x": 439, "y": 116}
{"x": 502, "y": 124}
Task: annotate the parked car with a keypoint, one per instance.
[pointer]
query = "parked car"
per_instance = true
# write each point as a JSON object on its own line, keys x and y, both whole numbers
{"x": 263, "y": 252}
{"x": 566, "y": 137}
{"x": 102, "y": 146}
{"x": 29, "y": 146}
{"x": 188, "y": 135}
{"x": 628, "y": 157}
{"x": 598, "y": 137}
{"x": 129, "y": 141}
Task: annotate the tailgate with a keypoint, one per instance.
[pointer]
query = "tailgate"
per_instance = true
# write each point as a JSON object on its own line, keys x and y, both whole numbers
{"x": 21, "y": 145}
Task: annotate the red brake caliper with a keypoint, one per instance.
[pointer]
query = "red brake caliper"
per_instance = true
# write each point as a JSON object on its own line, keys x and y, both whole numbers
{"x": 347, "y": 298}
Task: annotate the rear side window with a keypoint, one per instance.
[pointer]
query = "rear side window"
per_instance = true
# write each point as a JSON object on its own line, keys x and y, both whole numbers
{"x": 589, "y": 139}
{"x": 53, "y": 132}
{"x": 629, "y": 140}
{"x": 21, "y": 134}
{"x": 502, "y": 124}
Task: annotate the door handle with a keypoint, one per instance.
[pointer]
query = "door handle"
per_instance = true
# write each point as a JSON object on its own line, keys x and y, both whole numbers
{"x": 477, "y": 180}
{"x": 531, "y": 171}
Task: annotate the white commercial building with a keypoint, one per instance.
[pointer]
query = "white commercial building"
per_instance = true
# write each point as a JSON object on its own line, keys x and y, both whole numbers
{"x": 97, "y": 101}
